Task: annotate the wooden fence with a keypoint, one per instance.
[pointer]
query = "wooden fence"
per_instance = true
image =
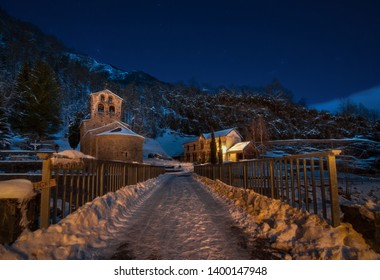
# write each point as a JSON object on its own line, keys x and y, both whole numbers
{"x": 67, "y": 186}
{"x": 308, "y": 181}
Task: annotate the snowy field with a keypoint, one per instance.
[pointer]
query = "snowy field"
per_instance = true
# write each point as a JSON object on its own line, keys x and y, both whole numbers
{"x": 100, "y": 229}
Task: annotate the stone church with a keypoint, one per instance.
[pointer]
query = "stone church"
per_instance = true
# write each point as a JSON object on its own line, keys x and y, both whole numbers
{"x": 104, "y": 136}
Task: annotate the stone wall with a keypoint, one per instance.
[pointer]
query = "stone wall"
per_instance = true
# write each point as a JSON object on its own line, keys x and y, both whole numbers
{"x": 129, "y": 147}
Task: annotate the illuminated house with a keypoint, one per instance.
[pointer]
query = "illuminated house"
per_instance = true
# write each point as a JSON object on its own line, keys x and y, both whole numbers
{"x": 104, "y": 136}
{"x": 199, "y": 150}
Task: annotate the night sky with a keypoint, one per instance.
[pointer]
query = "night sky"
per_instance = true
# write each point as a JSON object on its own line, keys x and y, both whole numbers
{"x": 317, "y": 49}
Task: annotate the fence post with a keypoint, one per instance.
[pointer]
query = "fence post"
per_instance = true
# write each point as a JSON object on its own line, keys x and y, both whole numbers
{"x": 124, "y": 175}
{"x": 101, "y": 179}
{"x": 229, "y": 175}
{"x": 333, "y": 180}
{"x": 271, "y": 178}
{"x": 245, "y": 175}
{"x": 45, "y": 195}
{"x": 220, "y": 171}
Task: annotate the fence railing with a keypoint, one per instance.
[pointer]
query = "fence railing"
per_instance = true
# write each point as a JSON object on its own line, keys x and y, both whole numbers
{"x": 307, "y": 181}
{"x": 67, "y": 186}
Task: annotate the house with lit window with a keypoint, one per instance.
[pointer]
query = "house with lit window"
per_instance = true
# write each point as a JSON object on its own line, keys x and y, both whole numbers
{"x": 104, "y": 136}
{"x": 198, "y": 150}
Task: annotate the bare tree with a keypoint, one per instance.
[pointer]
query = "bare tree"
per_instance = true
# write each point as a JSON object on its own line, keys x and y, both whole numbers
{"x": 258, "y": 133}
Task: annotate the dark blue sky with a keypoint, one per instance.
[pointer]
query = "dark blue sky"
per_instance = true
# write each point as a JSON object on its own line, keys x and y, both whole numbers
{"x": 318, "y": 49}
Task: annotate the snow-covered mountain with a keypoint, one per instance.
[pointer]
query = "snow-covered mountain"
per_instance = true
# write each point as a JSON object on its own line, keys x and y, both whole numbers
{"x": 370, "y": 98}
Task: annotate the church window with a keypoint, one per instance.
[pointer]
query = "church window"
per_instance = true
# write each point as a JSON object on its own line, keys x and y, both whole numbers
{"x": 100, "y": 108}
{"x": 102, "y": 99}
{"x": 110, "y": 99}
{"x": 112, "y": 110}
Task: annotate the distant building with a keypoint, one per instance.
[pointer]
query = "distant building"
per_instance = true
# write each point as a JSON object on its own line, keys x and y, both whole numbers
{"x": 104, "y": 136}
{"x": 199, "y": 150}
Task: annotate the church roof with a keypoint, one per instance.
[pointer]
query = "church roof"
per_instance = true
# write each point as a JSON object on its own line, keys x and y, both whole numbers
{"x": 120, "y": 130}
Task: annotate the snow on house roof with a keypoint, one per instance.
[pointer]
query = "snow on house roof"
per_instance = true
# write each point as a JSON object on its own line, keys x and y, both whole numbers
{"x": 106, "y": 91}
{"x": 120, "y": 131}
{"x": 238, "y": 147}
{"x": 219, "y": 133}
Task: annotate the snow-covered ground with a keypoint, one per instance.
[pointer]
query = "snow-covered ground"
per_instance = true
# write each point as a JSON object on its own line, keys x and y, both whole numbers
{"x": 97, "y": 229}
{"x": 172, "y": 142}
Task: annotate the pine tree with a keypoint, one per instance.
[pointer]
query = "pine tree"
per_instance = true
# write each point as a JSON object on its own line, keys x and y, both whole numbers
{"x": 74, "y": 131}
{"x": 37, "y": 103}
{"x": 19, "y": 99}
{"x": 5, "y": 135}
{"x": 220, "y": 152}
{"x": 45, "y": 107}
{"x": 213, "y": 158}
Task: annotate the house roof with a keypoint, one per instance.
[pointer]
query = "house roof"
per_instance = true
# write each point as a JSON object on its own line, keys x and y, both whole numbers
{"x": 106, "y": 91}
{"x": 120, "y": 130}
{"x": 238, "y": 147}
{"x": 219, "y": 133}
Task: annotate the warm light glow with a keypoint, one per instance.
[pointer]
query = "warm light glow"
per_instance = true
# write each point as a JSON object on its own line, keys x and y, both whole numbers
{"x": 224, "y": 149}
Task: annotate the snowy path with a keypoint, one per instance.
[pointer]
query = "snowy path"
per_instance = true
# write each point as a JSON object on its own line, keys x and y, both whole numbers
{"x": 181, "y": 220}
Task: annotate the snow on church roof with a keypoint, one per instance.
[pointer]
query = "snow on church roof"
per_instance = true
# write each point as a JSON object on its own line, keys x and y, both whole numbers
{"x": 120, "y": 131}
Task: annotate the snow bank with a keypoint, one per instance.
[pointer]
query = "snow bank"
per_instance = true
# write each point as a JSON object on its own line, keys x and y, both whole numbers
{"x": 19, "y": 189}
{"x": 69, "y": 158}
{"x": 298, "y": 234}
{"x": 88, "y": 233}
{"x": 151, "y": 146}
{"x": 73, "y": 154}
